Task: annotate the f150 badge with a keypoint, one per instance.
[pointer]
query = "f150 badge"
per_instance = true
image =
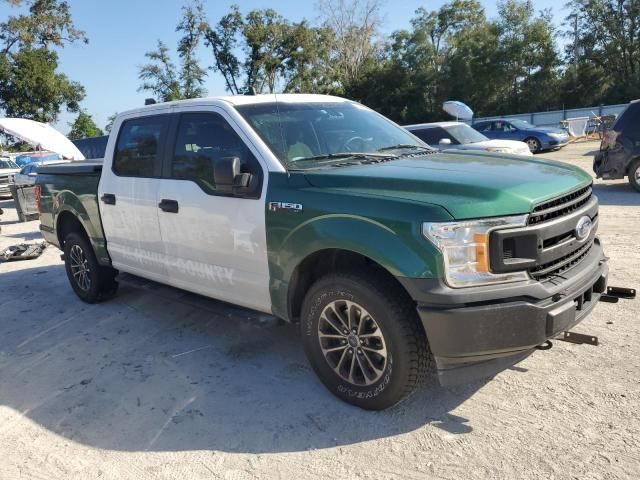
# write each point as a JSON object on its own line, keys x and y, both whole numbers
{"x": 286, "y": 206}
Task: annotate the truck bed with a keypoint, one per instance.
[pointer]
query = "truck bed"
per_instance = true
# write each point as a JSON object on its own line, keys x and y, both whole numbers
{"x": 69, "y": 192}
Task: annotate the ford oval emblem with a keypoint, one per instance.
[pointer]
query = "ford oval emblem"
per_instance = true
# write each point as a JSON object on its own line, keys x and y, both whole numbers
{"x": 583, "y": 228}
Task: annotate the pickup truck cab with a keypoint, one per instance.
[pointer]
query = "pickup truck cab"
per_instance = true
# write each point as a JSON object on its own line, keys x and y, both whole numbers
{"x": 316, "y": 209}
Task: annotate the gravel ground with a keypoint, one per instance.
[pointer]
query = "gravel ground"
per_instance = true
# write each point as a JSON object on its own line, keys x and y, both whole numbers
{"x": 162, "y": 384}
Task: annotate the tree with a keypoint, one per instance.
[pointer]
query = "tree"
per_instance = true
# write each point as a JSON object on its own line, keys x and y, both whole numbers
{"x": 83, "y": 127}
{"x": 31, "y": 88}
{"x": 109, "y": 125}
{"x": 162, "y": 77}
{"x": 604, "y": 55}
{"x": 277, "y": 55}
{"x": 30, "y": 85}
{"x": 355, "y": 28}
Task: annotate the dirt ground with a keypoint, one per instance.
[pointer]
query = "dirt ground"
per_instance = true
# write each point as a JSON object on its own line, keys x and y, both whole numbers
{"x": 161, "y": 384}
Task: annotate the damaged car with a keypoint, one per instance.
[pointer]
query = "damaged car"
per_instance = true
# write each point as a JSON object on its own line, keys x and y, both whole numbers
{"x": 619, "y": 154}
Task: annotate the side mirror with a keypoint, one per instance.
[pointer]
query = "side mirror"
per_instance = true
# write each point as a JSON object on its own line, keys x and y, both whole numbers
{"x": 445, "y": 141}
{"x": 227, "y": 175}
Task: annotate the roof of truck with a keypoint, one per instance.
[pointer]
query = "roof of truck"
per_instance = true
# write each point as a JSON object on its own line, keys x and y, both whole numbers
{"x": 247, "y": 100}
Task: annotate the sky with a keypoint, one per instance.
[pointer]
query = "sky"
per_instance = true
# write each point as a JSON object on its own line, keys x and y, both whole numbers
{"x": 121, "y": 31}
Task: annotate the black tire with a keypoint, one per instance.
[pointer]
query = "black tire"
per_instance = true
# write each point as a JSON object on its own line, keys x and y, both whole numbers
{"x": 390, "y": 309}
{"x": 534, "y": 144}
{"x": 634, "y": 174}
{"x": 90, "y": 281}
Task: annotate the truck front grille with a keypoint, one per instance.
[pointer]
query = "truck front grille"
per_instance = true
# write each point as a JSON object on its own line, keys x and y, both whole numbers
{"x": 560, "y": 206}
{"x": 4, "y": 180}
{"x": 549, "y": 245}
{"x": 560, "y": 265}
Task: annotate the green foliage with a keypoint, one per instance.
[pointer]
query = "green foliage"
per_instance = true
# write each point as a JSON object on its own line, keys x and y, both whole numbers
{"x": 603, "y": 59}
{"x": 83, "y": 127}
{"x": 109, "y": 125}
{"x": 162, "y": 77}
{"x": 277, "y": 54}
{"x": 30, "y": 85}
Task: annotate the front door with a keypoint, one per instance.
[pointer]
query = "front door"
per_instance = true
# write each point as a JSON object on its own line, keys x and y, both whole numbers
{"x": 215, "y": 243}
{"x": 127, "y": 195}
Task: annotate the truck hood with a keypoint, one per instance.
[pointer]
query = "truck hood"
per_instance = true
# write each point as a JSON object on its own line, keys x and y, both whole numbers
{"x": 467, "y": 185}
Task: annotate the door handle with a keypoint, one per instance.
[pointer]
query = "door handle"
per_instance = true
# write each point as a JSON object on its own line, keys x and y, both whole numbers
{"x": 169, "y": 206}
{"x": 108, "y": 199}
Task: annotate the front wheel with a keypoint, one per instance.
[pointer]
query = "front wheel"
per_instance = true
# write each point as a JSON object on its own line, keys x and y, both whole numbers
{"x": 364, "y": 340}
{"x": 90, "y": 281}
{"x": 634, "y": 174}
{"x": 534, "y": 144}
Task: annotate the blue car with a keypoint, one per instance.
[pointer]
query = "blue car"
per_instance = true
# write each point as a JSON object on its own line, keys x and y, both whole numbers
{"x": 537, "y": 138}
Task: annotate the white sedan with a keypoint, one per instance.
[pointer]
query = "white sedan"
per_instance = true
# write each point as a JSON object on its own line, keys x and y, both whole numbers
{"x": 8, "y": 168}
{"x": 460, "y": 136}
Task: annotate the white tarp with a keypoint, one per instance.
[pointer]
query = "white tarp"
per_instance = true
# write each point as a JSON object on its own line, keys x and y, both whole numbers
{"x": 458, "y": 110}
{"x": 577, "y": 126}
{"x": 41, "y": 136}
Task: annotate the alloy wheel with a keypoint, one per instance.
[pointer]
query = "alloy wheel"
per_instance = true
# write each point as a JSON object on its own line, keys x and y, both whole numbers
{"x": 352, "y": 342}
{"x": 80, "y": 267}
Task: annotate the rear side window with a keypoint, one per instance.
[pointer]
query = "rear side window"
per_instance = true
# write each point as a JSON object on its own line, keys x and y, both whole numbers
{"x": 137, "y": 152}
{"x": 432, "y": 136}
{"x": 483, "y": 127}
{"x": 628, "y": 122}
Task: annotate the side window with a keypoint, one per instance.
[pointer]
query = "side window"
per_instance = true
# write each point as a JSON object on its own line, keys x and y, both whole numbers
{"x": 498, "y": 127}
{"x": 431, "y": 136}
{"x": 201, "y": 139}
{"x": 137, "y": 152}
{"x": 629, "y": 122}
{"x": 483, "y": 127}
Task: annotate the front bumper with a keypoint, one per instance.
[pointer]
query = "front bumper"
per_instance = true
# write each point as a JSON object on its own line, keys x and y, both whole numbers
{"x": 478, "y": 332}
{"x": 554, "y": 143}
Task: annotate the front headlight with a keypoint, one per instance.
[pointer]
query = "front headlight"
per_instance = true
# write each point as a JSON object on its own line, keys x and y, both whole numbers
{"x": 465, "y": 249}
{"x": 557, "y": 136}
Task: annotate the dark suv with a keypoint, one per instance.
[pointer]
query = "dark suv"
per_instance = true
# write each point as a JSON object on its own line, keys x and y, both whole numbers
{"x": 619, "y": 154}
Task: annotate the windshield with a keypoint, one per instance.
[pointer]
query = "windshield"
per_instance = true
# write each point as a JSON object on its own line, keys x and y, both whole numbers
{"x": 465, "y": 134}
{"x": 303, "y": 134}
{"x": 6, "y": 163}
{"x": 521, "y": 124}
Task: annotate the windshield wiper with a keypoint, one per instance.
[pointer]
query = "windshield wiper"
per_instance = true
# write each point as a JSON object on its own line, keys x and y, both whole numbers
{"x": 403, "y": 145}
{"x": 362, "y": 157}
{"x": 329, "y": 156}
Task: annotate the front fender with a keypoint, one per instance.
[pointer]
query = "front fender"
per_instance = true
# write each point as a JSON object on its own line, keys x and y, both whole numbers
{"x": 400, "y": 249}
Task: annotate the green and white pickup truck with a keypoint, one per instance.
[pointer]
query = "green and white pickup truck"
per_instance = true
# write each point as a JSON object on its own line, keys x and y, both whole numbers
{"x": 390, "y": 255}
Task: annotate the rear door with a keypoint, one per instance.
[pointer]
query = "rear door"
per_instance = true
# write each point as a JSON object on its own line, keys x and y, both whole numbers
{"x": 127, "y": 195}
{"x": 214, "y": 242}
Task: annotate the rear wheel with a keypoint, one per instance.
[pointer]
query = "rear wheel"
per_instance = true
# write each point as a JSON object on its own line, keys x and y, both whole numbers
{"x": 364, "y": 340}
{"x": 634, "y": 174}
{"x": 534, "y": 144}
{"x": 89, "y": 280}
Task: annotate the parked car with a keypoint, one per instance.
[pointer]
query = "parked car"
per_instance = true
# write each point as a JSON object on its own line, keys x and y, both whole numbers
{"x": 460, "y": 136}
{"x": 538, "y": 138}
{"x": 7, "y": 169}
{"x": 619, "y": 154}
{"x": 322, "y": 212}
{"x": 27, "y": 174}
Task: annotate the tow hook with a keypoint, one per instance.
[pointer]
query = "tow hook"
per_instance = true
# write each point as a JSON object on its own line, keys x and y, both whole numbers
{"x": 545, "y": 346}
{"x": 616, "y": 293}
